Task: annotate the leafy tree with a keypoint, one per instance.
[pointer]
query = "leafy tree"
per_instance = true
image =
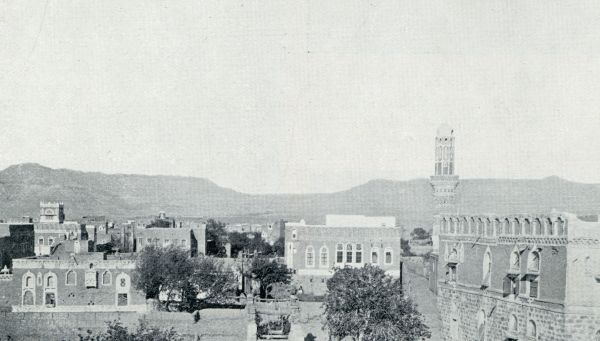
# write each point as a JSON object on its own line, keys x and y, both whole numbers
{"x": 248, "y": 242}
{"x": 172, "y": 272}
{"x": 366, "y": 304}
{"x": 216, "y": 237}
{"x": 268, "y": 272}
{"x": 420, "y": 233}
{"x": 117, "y": 332}
{"x": 405, "y": 248}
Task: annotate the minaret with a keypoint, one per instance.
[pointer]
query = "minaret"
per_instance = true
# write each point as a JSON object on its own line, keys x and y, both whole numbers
{"x": 444, "y": 181}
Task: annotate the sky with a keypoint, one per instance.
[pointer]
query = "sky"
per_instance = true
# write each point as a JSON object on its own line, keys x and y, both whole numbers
{"x": 301, "y": 96}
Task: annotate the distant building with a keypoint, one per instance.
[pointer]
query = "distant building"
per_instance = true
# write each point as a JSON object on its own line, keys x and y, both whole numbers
{"x": 269, "y": 232}
{"x": 53, "y": 228}
{"x": 16, "y": 241}
{"x": 189, "y": 238}
{"x": 313, "y": 251}
{"x": 519, "y": 277}
{"x": 359, "y": 221}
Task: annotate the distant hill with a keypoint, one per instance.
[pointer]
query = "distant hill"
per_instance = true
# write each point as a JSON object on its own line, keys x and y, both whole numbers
{"x": 23, "y": 186}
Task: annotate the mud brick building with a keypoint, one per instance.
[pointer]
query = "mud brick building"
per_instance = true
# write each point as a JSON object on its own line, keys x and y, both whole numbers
{"x": 519, "y": 277}
{"x": 16, "y": 241}
{"x": 313, "y": 251}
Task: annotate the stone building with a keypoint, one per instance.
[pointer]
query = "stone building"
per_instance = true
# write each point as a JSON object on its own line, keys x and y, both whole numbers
{"x": 444, "y": 183}
{"x": 189, "y": 237}
{"x": 53, "y": 228}
{"x": 519, "y": 277}
{"x": 313, "y": 251}
{"x": 16, "y": 241}
{"x": 71, "y": 279}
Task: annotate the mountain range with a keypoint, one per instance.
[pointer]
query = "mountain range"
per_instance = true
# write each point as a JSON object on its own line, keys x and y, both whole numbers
{"x": 23, "y": 186}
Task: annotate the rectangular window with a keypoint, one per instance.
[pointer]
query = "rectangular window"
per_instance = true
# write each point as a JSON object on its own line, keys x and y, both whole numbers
{"x": 50, "y": 241}
{"x": 533, "y": 289}
{"x": 349, "y": 256}
{"x": 388, "y": 257}
{"x": 183, "y": 242}
{"x": 121, "y": 299}
{"x": 358, "y": 253}
{"x": 50, "y": 300}
{"x": 41, "y": 241}
{"x": 339, "y": 258}
{"x": 149, "y": 241}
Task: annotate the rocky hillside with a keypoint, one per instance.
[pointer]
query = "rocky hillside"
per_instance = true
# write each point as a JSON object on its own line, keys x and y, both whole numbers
{"x": 23, "y": 186}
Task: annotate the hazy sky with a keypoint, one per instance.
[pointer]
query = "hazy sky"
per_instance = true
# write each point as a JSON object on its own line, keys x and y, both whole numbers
{"x": 301, "y": 96}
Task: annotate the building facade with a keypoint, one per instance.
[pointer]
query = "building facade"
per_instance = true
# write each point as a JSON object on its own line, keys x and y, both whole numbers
{"x": 191, "y": 238}
{"x": 313, "y": 251}
{"x": 52, "y": 228}
{"x": 16, "y": 241}
{"x": 519, "y": 277}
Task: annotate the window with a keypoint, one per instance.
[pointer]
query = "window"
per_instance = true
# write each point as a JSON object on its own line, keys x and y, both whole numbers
{"x": 534, "y": 261}
{"x": 451, "y": 273}
{"x": 167, "y": 242}
{"x": 487, "y": 269}
{"x": 50, "y": 300}
{"x": 71, "y": 278}
{"x": 294, "y": 234}
{"x": 50, "y": 241}
{"x": 358, "y": 257}
{"x": 324, "y": 257}
{"x": 513, "y": 325}
{"x": 533, "y": 288}
{"x": 549, "y": 227}
{"x": 375, "y": 256}
{"x": 339, "y": 250}
{"x": 310, "y": 256}
{"x": 121, "y": 299}
{"x": 51, "y": 282}
{"x": 41, "y": 241}
{"x": 515, "y": 261}
{"x": 106, "y": 278}
{"x": 28, "y": 298}
{"x": 29, "y": 282}
{"x": 149, "y": 241}
{"x": 388, "y": 257}
{"x": 183, "y": 242}
{"x": 511, "y": 286}
{"x": 531, "y": 329}
{"x": 349, "y": 253}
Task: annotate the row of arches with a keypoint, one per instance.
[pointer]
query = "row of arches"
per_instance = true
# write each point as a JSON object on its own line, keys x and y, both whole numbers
{"x": 531, "y": 329}
{"x": 48, "y": 284}
{"x": 494, "y": 226}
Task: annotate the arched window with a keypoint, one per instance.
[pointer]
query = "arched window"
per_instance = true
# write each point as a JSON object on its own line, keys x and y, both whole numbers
{"x": 533, "y": 263}
{"x": 549, "y": 227}
{"x": 310, "y": 256}
{"x": 515, "y": 261}
{"x": 473, "y": 225}
{"x": 531, "y": 329}
{"x": 51, "y": 281}
{"x": 560, "y": 226}
{"x": 452, "y": 223}
{"x": 527, "y": 227}
{"x": 487, "y": 269}
{"x": 507, "y": 229}
{"x": 537, "y": 227}
{"x": 479, "y": 227}
{"x": 375, "y": 256}
{"x": 489, "y": 228}
{"x": 29, "y": 281}
{"x": 28, "y": 297}
{"x": 513, "y": 325}
{"x": 324, "y": 257}
{"x": 443, "y": 227}
{"x": 294, "y": 234}
{"x": 349, "y": 253}
{"x": 358, "y": 257}
{"x": 481, "y": 325}
{"x": 517, "y": 227}
{"x": 71, "y": 278}
{"x": 106, "y": 278}
{"x": 498, "y": 227}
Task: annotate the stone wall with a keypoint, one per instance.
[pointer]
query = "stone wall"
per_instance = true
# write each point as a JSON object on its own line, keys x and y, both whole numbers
{"x": 460, "y": 310}
{"x": 214, "y": 324}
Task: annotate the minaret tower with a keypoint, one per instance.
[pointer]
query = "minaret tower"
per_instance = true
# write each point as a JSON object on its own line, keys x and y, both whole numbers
{"x": 444, "y": 181}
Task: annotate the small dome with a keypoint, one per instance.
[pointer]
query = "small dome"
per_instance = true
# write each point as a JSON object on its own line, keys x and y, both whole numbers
{"x": 444, "y": 131}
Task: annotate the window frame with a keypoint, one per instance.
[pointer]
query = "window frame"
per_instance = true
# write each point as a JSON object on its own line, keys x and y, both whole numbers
{"x": 385, "y": 254}
{"x": 71, "y": 271}
{"x": 310, "y": 250}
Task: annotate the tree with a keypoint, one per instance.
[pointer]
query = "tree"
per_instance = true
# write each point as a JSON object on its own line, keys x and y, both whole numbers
{"x": 117, "y": 332}
{"x": 211, "y": 280}
{"x": 366, "y": 304}
{"x": 279, "y": 247}
{"x": 216, "y": 237}
{"x": 420, "y": 233}
{"x": 248, "y": 242}
{"x": 405, "y": 248}
{"x": 268, "y": 272}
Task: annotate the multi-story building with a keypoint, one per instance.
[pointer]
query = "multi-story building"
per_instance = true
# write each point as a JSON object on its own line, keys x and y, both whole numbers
{"x": 444, "y": 183}
{"x": 192, "y": 238}
{"x": 519, "y": 277}
{"x": 313, "y": 251}
{"x": 53, "y": 228}
{"x": 16, "y": 241}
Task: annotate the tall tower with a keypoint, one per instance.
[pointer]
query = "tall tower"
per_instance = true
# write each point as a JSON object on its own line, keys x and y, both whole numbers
{"x": 52, "y": 212}
{"x": 444, "y": 181}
